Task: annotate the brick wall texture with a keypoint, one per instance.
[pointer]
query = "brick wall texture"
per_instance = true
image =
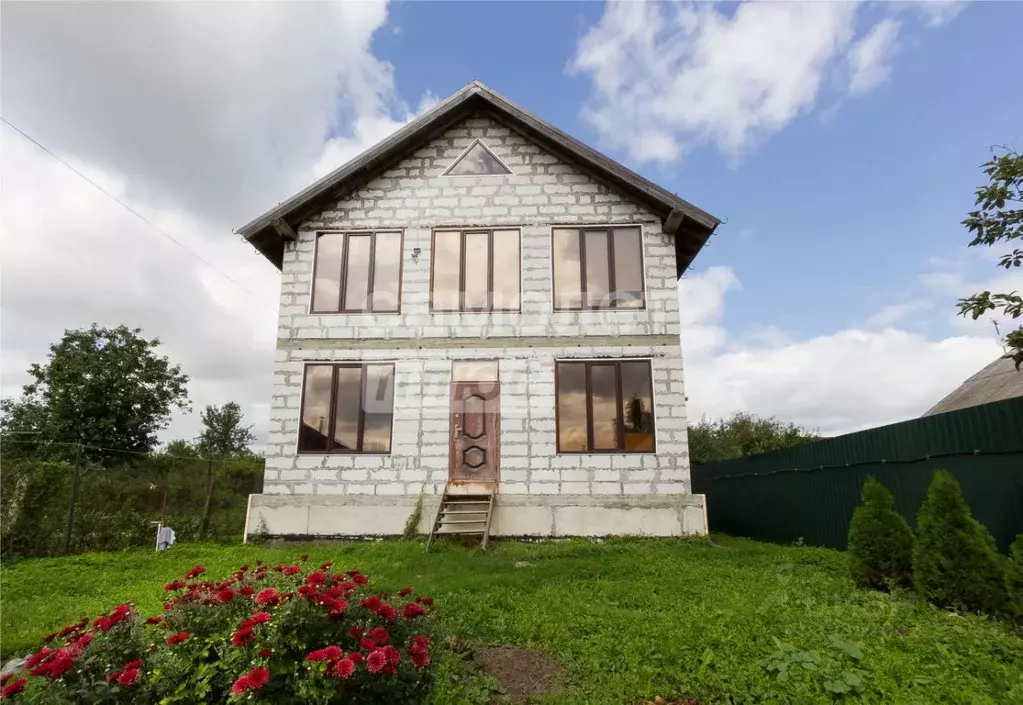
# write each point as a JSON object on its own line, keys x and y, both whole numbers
{"x": 542, "y": 191}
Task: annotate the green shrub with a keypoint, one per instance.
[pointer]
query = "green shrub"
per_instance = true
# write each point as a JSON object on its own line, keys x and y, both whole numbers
{"x": 880, "y": 541}
{"x": 956, "y": 564}
{"x": 280, "y": 635}
{"x": 1014, "y": 577}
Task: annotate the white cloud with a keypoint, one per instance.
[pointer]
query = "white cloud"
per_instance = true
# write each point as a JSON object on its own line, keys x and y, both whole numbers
{"x": 897, "y": 313}
{"x": 870, "y": 57}
{"x": 841, "y": 382}
{"x": 199, "y": 117}
{"x": 668, "y": 76}
{"x": 218, "y": 109}
{"x": 939, "y": 12}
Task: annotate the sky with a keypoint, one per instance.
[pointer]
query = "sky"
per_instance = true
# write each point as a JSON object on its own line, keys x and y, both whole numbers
{"x": 840, "y": 143}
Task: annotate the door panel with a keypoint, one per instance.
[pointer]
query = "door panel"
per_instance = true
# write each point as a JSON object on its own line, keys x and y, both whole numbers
{"x": 475, "y": 432}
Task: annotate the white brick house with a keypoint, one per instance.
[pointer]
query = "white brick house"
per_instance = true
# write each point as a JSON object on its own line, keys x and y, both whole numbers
{"x": 479, "y": 302}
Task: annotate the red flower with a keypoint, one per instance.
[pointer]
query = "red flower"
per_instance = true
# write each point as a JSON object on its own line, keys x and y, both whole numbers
{"x": 393, "y": 655}
{"x": 245, "y": 590}
{"x": 291, "y": 570}
{"x": 179, "y": 638}
{"x": 405, "y": 591}
{"x": 6, "y": 679}
{"x": 360, "y": 579}
{"x": 133, "y": 664}
{"x": 379, "y": 635}
{"x": 226, "y": 594}
{"x": 259, "y": 562}
{"x": 13, "y": 688}
{"x": 57, "y": 667}
{"x": 265, "y": 653}
{"x": 127, "y": 677}
{"x": 428, "y": 601}
{"x": 83, "y": 641}
{"x": 37, "y": 658}
{"x": 372, "y": 603}
{"x": 253, "y": 680}
{"x": 326, "y": 565}
{"x": 355, "y": 658}
{"x": 304, "y": 557}
{"x": 343, "y": 668}
{"x": 365, "y": 643}
{"x": 314, "y": 578}
{"x": 376, "y": 661}
{"x": 355, "y": 631}
{"x": 259, "y": 618}
{"x": 174, "y": 585}
{"x": 243, "y": 567}
{"x": 327, "y": 653}
{"x": 412, "y": 610}
{"x": 154, "y": 620}
{"x": 243, "y": 637}
{"x": 195, "y": 572}
{"x": 47, "y": 639}
{"x": 334, "y": 592}
{"x": 267, "y": 596}
{"x": 421, "y": 643}
{"x": 420, "y": 659}
{"x": 387, "y": 612}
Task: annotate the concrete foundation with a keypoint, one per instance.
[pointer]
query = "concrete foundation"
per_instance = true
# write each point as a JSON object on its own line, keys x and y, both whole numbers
{"x": 516, "y": 515}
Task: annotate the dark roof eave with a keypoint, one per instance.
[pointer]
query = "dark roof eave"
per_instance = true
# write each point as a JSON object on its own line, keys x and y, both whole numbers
{"x": 672, "y": 209}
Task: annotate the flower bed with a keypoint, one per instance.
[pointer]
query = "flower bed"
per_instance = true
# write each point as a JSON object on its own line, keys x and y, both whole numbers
{"x": 280, "y": 634}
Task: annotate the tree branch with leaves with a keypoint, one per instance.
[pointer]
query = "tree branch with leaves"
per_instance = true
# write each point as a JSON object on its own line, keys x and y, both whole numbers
{"x": 999, "y": 219}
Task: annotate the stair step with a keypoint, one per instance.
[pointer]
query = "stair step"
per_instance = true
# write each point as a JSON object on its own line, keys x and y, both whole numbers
{"x": 463, "y": 521}
{"x": 472, "y": 501}
{"x": 459, "y": 531}
{"x": 465, "y": 511}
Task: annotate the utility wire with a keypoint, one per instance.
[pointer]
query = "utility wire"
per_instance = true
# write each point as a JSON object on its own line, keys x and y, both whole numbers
{"x": 134, "y": 212}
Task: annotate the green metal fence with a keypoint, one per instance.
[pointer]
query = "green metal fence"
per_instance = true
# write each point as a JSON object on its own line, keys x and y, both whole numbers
{"x": 810, "y": 491}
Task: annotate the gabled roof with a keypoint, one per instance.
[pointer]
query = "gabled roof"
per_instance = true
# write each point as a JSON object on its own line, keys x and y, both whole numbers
{"x": 999, "y": 380}
{"x": 690, "y": 225}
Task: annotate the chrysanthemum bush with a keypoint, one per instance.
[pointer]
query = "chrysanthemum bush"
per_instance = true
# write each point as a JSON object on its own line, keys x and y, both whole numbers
{"x": 265, "y": 634}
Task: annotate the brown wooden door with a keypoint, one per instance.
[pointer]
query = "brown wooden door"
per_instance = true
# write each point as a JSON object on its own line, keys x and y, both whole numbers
{"x": 475, "y": 433}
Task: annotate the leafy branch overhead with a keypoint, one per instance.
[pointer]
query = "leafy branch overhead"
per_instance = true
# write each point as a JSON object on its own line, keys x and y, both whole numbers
{"x": 997, "y": 220}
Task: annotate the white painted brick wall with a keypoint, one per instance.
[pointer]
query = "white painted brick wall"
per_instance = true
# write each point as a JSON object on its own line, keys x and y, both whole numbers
{"x": 543, "y": 191}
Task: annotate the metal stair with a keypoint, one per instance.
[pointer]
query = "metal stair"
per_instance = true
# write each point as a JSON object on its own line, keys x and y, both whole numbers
{"x": 463, "y": 514}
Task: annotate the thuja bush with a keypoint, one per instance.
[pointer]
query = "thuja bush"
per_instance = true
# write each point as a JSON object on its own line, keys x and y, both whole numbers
{"x": 280, "y": 634}
{"x": 1014, "y": 578}
{"x": 880, "y": 541}
{"x": 956, "y": 564}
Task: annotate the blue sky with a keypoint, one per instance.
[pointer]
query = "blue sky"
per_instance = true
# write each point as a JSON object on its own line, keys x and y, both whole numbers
{"x": 828, "y": 219}
{"x": 840, "y": 141}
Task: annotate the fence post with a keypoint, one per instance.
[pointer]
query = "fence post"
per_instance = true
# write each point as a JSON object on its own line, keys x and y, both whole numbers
{"x": 74, "y": 500}
{"x": 204, "y": 525}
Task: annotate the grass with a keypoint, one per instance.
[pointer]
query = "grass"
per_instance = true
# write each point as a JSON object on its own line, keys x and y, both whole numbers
{"x": 730, "y": 621}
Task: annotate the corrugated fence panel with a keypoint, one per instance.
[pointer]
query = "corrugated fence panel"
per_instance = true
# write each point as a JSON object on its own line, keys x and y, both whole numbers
{"x": 810, "y": 491}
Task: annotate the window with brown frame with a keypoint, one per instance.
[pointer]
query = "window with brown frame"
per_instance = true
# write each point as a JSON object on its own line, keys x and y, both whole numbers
{"x": 475, "y": 270}
{"x": 357, "y": 272}
{"x": 604, "y": 406}
{"x": 598, "y": 268}
{"x": 347, "y": 408}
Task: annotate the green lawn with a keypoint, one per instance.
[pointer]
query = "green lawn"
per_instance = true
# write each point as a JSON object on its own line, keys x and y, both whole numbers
{"x": 733, "y": 621}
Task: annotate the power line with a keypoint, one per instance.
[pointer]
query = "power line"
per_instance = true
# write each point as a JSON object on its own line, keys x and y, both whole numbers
{"x": 134, "y": 212}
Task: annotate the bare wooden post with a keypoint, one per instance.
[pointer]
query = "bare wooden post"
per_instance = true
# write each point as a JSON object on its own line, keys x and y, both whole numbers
{"x": 204, "y": 525}
{"x": 74, "y": 500}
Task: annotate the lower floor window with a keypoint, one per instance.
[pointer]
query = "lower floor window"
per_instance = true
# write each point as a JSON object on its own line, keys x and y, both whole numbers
{"x": 604, "y": 406}
{"x": 347, "y": 408}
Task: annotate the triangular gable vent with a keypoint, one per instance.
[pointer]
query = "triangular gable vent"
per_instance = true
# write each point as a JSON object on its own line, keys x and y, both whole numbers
{"x": 477, "y": 161}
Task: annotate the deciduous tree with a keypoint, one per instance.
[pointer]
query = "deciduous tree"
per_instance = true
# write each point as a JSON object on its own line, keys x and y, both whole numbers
{"x": 999, "y": 218}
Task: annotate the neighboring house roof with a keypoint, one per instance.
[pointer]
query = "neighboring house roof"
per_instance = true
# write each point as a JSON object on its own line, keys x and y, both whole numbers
{"x": 999, "y": 380}
{"x": 690, "y": 225}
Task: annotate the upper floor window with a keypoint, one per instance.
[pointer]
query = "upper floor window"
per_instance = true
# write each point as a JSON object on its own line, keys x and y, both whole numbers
{"x": 477, "y": 161}
{"x": 598, "y": 268}
{"x": 357, "y": 273}
{"x": 604, "y": 406}
{"x": 347, "y": 408}
{"x": 475, "y": 270}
